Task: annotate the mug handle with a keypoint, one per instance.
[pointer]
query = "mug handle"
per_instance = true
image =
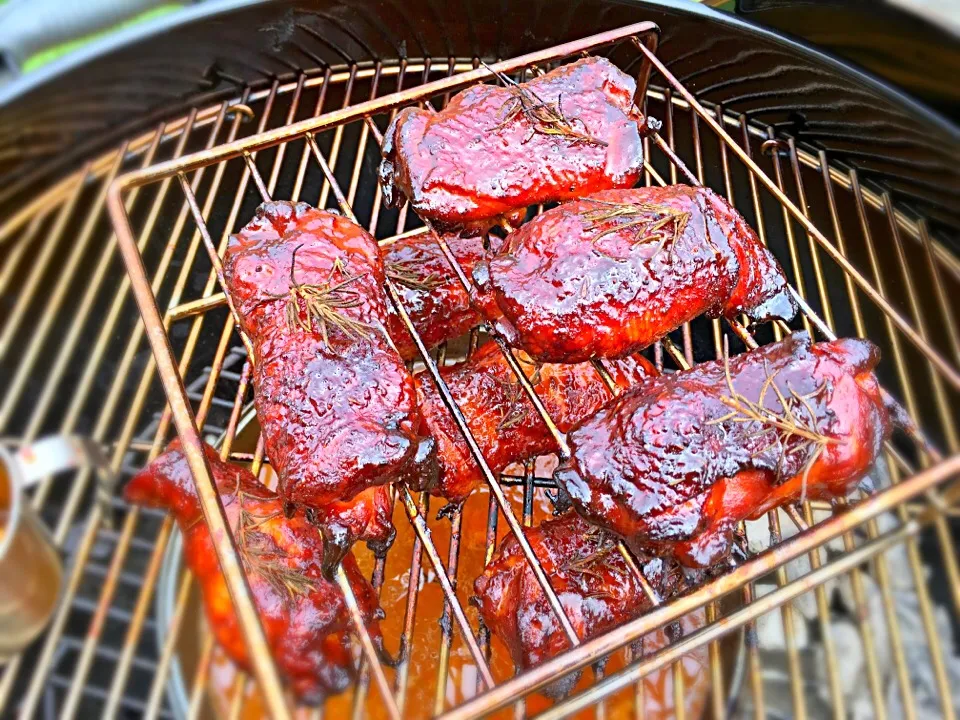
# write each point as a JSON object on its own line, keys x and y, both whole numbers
{"x": 58, "y": 453}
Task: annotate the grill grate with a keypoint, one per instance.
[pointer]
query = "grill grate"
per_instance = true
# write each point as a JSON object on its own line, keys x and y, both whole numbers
{"x": 90, "y": 667}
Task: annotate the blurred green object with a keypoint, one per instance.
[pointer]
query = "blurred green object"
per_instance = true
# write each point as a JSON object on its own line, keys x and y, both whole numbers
{"x": 45, "y": 56}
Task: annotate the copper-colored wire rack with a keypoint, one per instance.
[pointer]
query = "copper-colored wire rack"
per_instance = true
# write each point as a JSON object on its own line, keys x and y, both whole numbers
{"x": 795, "y": 199}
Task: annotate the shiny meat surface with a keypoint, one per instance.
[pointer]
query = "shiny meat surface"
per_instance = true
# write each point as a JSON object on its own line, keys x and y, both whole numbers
{"x": 495, "y": 149}
{"x": 675, "y": 463}
{"x": 304, "y": 616}
{"x": 501, "y": 417}
{"x": 431, "y": 292}
{"x": 610, "y": 274}
{"x": 595, "y": 586}
{"x": 335, "y": 401}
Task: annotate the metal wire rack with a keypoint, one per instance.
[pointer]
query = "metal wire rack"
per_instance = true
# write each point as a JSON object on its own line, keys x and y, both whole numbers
{"x": 915, "y": 331}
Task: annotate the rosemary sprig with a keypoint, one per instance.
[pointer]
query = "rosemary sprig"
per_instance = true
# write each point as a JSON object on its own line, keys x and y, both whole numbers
{"x": 586, "y": 565}
{"x": 260, "y": 556}
{"x": 405, "y": 273}
{"x": 283, "y": 579}
{"x": 660, "y": 223}
{"x": 324, "y": 304}
{"x": 514, "y": 410}
{"x": 787, "y": 425}
{"x": 546, "y": 118}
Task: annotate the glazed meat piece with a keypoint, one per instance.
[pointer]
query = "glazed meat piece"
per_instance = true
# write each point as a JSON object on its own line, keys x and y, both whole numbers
{"x": 610, "y": 274}
{"x": 431, "y": 292}
{"x": 304, "y": 616}
{"x": 368, "y": 515}
{"x": 501, "y": 417}
{"x": 334, "y": 399}
{"x": 597, "y": 589}
{"x": 675, "y": 463}
{"x": 494, "y": 149}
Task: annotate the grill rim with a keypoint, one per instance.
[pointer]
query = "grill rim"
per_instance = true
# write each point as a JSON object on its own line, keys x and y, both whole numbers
{"x": 40, "y": 88}
{"x": 134, "y": 36}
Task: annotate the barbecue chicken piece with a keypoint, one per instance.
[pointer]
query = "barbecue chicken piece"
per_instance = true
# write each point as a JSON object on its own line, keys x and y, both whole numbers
{"x": 675, "y": 463}
{"x": 494, "y": 150}
{"x": 304, "y": 616}
{"x": 597, "y": 589}
{"x": 610, "y": 274}
{"x": 501, "y": 417}
{"x": 431, "y": 292}
{"x": 334, "y": 399}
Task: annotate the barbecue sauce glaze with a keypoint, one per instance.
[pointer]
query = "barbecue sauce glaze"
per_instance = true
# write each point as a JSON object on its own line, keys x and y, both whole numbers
{"x": 336, "y": 404}
{"x": 484, "y": 156}
{"x": 675, "y": 463}
{"x": 304, "y": 616}
{"x": 503, "y": 421}
{"x": 608, "y": 275}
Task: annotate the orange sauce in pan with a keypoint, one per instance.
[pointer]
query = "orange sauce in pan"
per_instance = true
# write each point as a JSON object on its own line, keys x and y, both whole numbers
{"x": 461, "y": 682}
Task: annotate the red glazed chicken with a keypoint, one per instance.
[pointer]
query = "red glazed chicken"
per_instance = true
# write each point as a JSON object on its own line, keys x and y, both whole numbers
{"x": 675, "y": 463}
{"x": 304, "y": 616}
{"x": 334, "y": 399}
{"x": 432, "y": 294}
{"x": 501, "y": 417}
{"x": 494, "y": 150}
{"x": 597, "y": 589}
{"x": 611, "y": 274}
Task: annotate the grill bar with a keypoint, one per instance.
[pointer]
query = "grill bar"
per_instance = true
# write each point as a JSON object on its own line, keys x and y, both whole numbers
{"x": 40, "y": 262}
{"x": 54, "y": 302}
{"x": 873, "y": 293}
{"x": 541, "y": 675}
{"x": 416, "y": 519}
{"x": 946, "y": 308}
{"x": 796, "y": 676}
{"x": 70, "y": 341}
{"x": 45, "y": 659}
{"x": 759, "y": 606}
{"x": 200, "y": 679}
{"x": 163, "y": 536}
{"x": 12, "y": 260}
{"x": 72, "y": 415}
{"x": 814, "y": 557}
{"x": 130, "y": 522}
{"x": 747, "y": 593}
{"x": 368, "y": 647}
{"x": 823, "y": 612}
{"x": 114, "y": 397}
{"x": 464, "y": 429}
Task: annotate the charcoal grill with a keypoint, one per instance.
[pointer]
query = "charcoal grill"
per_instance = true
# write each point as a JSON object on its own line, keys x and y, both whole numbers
{"x": 862, "y": 217}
